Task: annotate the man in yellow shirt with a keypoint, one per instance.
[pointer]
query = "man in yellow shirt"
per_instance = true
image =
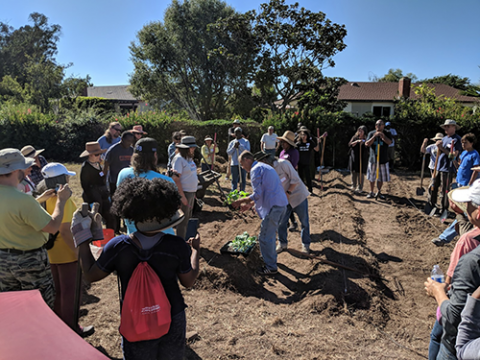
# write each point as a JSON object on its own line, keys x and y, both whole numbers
{"x": 25, "y": 226}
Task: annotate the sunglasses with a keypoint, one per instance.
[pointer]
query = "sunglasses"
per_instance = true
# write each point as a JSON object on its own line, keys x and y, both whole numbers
{"x": 117, "y": 129}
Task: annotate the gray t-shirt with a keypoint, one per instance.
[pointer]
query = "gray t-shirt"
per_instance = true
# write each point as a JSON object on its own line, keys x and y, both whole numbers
{"x": 188, "y": 172}
{"x": 288, "y": 175}
{"x": 118, "y": 158}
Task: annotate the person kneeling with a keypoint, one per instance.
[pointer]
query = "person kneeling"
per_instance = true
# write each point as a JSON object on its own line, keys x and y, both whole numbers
{"x": 153, "y": 206}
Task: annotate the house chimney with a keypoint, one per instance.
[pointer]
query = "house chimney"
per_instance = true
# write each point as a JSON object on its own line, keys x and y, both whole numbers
{"x": 404, "y": 87}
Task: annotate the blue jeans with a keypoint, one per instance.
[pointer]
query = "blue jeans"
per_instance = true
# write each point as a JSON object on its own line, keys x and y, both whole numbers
{"x": 302, "y": 213}
{"x": 268, "y": 234}
{"x": 445, "y": 354}
{"x": 235, "y": 177}
{"x": 435, "y": 338}
{"x": 171, "y": 346}
{"x": 449, "y": 233}
{"x": 270, "y": 152}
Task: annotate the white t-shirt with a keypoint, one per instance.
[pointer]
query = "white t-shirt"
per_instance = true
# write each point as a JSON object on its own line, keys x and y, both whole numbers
{"x": 188, "y": 172}
{"x": 269, "y": 140}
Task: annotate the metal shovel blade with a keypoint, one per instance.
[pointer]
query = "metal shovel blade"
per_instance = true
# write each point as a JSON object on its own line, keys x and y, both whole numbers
{"x": 420, "y": 191}
{"x": 444, "y": 215}
{"x": 430, "y": 210}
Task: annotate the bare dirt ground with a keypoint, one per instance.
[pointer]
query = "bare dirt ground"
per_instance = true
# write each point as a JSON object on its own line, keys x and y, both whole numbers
{"x": 310, "y": 310}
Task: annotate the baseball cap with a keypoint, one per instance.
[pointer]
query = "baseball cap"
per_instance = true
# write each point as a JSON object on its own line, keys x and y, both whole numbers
{"x": 471, "y": 194}
{"x": 145, "y": 145}
{"x": 52, "y": 170}
{"x": 270, "y": 127}
{"x": 387, "y": 123}
{"x": 12, "y": 159}
{"x": 236, "y": 121}
{"x": 238, "y": 129}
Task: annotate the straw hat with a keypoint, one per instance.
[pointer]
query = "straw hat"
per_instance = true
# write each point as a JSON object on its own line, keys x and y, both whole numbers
{"x": 289, "y": 137}
{"x": 138, "y": 129}
{"x": 187, "y": 142}
{"x": 92, "y": 148}
{"x": 450, "y": 122}
{"x": 438, "y": 136}
{"x": 29, "y": 151}
{"x": 208, "y": 137}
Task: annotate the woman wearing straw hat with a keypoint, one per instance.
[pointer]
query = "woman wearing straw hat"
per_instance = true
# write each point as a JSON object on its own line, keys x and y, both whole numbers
{"x": 207, "y": 153}
{"x": 185, "y": 176}
{"x": 137, "y": 130}
{"x": 93, "y": 181}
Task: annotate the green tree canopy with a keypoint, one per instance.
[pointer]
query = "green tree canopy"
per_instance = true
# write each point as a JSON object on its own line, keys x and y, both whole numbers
{"x": 394, "y": 75}
{"x": 181, "y": 60}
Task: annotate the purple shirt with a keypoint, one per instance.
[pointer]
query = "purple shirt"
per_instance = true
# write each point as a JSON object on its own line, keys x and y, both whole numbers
{"x": 291, "y": 155}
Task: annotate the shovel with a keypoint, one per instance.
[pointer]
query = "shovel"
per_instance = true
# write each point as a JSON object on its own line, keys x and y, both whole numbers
{"x": 378, "y": 168}
{"x": 421, "y": 190}
{"x": 430, "y": 210}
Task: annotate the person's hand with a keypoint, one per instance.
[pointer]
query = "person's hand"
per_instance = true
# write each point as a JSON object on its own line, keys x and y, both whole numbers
{"x": 96, "y": 226}
{"x": 237, "y": 144}
{"x": 476, "y": 293}
{"x": 46, "y": 195}
{"x": 236, "y": 204}
{"x": 425, "y": 141}
{"x": 194, "y": 242}
{"x": 439, "y": 144}
{"x": 64, "y": 192}
{"x": 184, "y": 200}
{"x": 245, "y": 206}
{"x": 432, "y": 288}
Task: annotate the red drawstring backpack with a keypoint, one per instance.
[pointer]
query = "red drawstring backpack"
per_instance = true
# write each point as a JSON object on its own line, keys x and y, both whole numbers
{"x": 146, "y": 309}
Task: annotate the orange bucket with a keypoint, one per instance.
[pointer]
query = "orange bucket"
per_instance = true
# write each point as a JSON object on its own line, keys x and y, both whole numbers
{"x": 108, "y": 235}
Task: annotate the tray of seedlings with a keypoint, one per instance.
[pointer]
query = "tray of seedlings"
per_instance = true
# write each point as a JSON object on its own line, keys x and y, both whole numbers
{"x": 242, "y": 244}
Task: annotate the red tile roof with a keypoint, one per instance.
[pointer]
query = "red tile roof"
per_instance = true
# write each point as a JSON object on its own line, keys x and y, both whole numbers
{"x": 380, "y": 91}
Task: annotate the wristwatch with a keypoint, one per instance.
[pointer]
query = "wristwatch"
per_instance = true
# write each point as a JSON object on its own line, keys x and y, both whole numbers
{"x": 288, "y": 192}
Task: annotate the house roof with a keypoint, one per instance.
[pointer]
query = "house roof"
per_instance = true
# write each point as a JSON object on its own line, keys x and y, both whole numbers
{"x": 117, "y": 92}
{"x": 387, "y": 91}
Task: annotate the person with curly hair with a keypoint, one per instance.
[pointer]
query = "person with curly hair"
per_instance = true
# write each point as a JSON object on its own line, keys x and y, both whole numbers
{"x": 153, "y": 206}
{"x": 143, "y": 164}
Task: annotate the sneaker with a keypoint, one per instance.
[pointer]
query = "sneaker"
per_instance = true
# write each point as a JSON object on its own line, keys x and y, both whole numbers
{"x": 305, "y": 249}
{"x": 281, "y": 247}
{"x": 352, "y": 187}
{"x": 86, "y": 331}
{"x": 438, "y": 242}
{"x": 293, "y": 227}
{"x": 266, "y": 271}
{"x": 370, "y": 195}
{"x": 379, "y": 195}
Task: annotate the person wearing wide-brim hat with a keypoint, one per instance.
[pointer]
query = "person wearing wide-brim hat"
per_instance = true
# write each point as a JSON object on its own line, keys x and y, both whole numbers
{"x": 153, "y": 206}
{"x": 137, "y": 130}
{"x": 185, "y": 177}
{"x": 445, "y": 165}
{"x": 431, "y": 150}
{"x": 36, "y": 172}
{"x": 208, "y": 155}
{"x": 93, "y": 181}
{"x": 25, "y": 225}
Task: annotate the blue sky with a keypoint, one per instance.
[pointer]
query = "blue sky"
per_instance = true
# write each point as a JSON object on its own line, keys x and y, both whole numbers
{"x": 425, "y": 37}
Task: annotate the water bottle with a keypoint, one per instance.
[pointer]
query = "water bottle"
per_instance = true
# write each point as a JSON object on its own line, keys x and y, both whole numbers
{"x": 437, "y": 274}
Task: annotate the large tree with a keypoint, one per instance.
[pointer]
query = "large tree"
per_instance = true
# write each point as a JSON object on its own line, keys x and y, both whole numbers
{"x": 27, "y": 57}
{"x": 394, "y": 75}
{"x": 180, "y": 60}
{"x": 293, "y": 46}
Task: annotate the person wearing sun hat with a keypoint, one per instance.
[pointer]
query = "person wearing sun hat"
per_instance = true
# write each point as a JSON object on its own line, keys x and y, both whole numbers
{"x": 207, "y": 152}
{"x": 93, "y": 181}
{"x": 153, "y": 206}
{"x": 36, "y": 172}
{"x": 445, "y": 166}
{"x": 143, "y": 164}
{"x": 186, "y": 179}
{"x": 465, "y": 280}
{"x": 431, "y": 150}
{"x": 137, "y": 130}
{"x": 62, "y": 253}
{"x": 25, "y": 226}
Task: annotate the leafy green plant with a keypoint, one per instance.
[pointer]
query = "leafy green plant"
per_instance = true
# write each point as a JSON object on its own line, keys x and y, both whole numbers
{"x": 235, "y": 195}
{"x": 243, "y": 242}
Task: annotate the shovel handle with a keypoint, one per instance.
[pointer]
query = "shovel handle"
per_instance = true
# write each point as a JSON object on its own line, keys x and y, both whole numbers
{"x": 423, "y": 168}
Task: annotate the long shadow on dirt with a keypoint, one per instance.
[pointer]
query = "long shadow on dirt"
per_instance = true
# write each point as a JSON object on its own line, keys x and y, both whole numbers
{"x": 238, "y": 275}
